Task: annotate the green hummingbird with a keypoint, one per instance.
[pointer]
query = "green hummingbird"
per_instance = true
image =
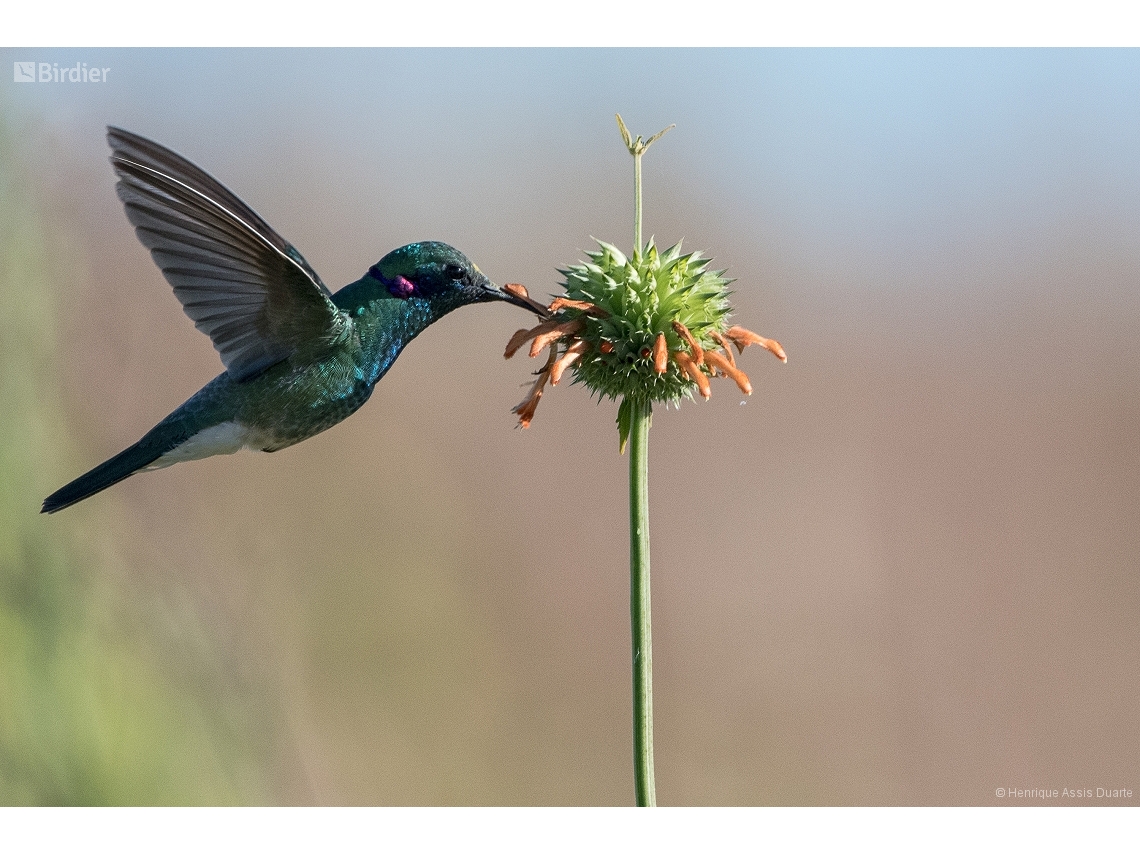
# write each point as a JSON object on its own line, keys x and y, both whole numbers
{"x": 298, "y": 358}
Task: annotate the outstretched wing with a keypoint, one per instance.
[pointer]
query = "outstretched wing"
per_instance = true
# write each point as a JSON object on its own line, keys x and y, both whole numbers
{"x": 240, "y": 282}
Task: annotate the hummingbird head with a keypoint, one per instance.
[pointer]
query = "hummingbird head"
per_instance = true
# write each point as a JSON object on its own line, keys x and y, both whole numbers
{"x": 440, "y": 274}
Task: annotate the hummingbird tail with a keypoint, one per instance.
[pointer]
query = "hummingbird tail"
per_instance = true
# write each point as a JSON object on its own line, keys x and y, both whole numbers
{"x": 146, "y": 451}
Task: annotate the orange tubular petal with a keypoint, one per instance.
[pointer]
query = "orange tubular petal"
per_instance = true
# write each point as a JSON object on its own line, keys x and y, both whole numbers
{"x": 683, "y": 332}
{"x": 523, "y": 336}
{"x": 561, "y": 303}
{"x": 693, "y": 370}
{"x": 572, "y": 354}
{"x": 777, "y": 351}
{"x": 719, "y": 339}
{"x": 527, "y": 407}
{"x": 660, "y": 354}
{"x": 517, "y": 290}
{"x": 606, "y": 347}
{"x": 517, "y": 340}
{"x": 552, "y": 334}
{"x": 718, "y": 362}
{"x": 742, "y": 338}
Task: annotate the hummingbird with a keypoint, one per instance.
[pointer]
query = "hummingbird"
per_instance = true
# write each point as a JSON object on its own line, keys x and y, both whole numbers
{"x": 298, "y": 358}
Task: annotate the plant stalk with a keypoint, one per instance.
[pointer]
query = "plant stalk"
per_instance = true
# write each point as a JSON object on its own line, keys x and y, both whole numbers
{"x": 639, "y": 603}
{"x": 637, "y": 203}
{"x": 639, "y": 599}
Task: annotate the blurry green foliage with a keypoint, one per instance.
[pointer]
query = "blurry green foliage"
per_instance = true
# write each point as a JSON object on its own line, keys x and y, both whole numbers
{"x": 101, "y": 701}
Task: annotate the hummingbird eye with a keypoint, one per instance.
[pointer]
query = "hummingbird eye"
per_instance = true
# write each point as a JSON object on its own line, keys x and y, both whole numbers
{"x": 454, "y": 271}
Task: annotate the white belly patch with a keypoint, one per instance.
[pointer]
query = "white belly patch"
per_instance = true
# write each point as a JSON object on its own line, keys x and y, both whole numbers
{"x": 225, "y": 438}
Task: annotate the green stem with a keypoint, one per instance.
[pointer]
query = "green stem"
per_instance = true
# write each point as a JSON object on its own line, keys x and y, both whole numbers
{"x": 637, "y": 148}
{"x": 637, "y": 203}
{"x": 642, "y": 623}
{"x": 639, "y": 603}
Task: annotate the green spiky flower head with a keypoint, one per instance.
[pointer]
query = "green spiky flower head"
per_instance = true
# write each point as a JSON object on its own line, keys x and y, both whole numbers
{"x": 643, "y": 298}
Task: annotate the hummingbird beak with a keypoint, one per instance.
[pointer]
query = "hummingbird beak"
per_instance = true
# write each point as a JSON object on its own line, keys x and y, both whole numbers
{"x": 515, "y": 294}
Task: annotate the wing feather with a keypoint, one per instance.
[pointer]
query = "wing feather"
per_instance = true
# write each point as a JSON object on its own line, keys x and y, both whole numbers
{"x": 239, "y": 281}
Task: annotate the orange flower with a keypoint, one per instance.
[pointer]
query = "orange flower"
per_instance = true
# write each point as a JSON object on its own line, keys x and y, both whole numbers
{"x": 742, "y": 338}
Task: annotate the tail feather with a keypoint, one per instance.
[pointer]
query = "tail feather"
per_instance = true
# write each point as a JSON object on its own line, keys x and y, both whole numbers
{"x": 160, "y": 440}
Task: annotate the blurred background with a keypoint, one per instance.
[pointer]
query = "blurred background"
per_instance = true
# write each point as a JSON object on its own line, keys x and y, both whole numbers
{"x": 904, "y": 572}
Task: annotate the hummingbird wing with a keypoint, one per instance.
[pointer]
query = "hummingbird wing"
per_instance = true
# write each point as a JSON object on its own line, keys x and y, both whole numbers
{"x": 241, "y": 283}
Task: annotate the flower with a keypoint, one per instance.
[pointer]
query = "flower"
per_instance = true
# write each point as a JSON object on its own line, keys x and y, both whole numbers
{"x": 650, "y": 328}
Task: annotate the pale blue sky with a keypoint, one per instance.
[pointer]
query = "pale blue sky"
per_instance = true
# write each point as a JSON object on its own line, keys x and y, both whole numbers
{"x": 854, "y": 148}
